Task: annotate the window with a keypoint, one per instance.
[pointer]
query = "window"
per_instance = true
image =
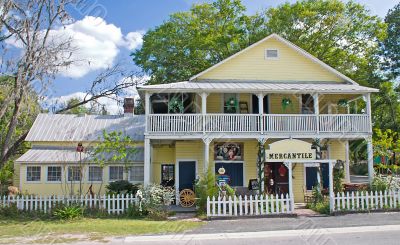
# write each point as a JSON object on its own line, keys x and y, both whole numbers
{"x": 74, "y": 173}
{"x": 136, "y": 173}
{"x": 307, "y": 104}
{"x": 167, "y": 175}
{"x": 231, "y": 103}
{"x": 95, "y": 173}
{"x": 53, "y": 174}
{"x": 33, "y": 173}
{"x": 116, "y": 173}
{"x": 271, "y": 54}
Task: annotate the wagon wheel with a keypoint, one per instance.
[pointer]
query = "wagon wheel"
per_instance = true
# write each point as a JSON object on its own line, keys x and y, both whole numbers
{"x": 186, "y": 197}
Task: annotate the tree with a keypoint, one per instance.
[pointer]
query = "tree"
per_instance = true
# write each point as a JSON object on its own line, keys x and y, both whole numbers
{"x": 190, "y": 42}
{"x": 391, "y": 45}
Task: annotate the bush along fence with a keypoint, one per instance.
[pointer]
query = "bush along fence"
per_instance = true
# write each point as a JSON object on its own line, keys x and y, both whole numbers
{"x": 113, "y": 204}
{"x": 366, "y": 201}
{"x": 249, "y": 205}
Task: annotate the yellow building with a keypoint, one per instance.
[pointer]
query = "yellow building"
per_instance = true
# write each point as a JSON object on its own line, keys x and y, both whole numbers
{"x": 272, "y": 98}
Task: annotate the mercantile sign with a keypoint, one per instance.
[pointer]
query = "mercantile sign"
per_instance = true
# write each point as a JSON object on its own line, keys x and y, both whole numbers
{"x": 289, "y": 149}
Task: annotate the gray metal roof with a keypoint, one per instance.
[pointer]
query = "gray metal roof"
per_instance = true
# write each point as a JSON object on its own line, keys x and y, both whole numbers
{"x": 52, "y": 155}
{"x": 75, "y": 128}
{"x": 259, "y": 86}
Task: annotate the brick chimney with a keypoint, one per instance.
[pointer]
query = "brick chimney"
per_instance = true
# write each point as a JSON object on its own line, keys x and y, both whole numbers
{"x": 129, "y": 106}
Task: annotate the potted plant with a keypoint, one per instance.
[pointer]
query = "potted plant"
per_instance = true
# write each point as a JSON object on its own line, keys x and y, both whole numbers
{"x": 231, "y": 105}
{"x": 175, "y": 105}
{"x": 286, "y": 102}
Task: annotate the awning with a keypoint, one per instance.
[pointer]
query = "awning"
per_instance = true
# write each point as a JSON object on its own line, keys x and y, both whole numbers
{"x": 66, "y": 156}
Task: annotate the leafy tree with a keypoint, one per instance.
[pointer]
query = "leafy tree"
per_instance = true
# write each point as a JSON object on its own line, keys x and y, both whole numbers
{"x": 386, "y": 108}
{"x": 81, "y": 109}
{"x": 391, "y": 45}
{"x": 387, "y": 144}
{"x": 189, "y": 42}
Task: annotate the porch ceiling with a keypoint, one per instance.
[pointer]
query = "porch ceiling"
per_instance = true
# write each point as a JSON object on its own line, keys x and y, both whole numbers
{"x": 259, "y": 86}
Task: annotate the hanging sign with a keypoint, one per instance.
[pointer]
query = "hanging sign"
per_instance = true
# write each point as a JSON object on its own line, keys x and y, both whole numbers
{"x": 290, "y": 149}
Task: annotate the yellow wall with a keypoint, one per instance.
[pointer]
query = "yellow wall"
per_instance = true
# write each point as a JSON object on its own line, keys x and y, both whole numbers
{"x": 214, "y": 103}
{"x": 275, "y": 101}
{"x": 162, "y": 154}
{"x": 290, "y": 66}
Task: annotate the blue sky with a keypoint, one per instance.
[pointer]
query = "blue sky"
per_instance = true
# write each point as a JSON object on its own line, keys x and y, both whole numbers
{"x": 121, "y": 26}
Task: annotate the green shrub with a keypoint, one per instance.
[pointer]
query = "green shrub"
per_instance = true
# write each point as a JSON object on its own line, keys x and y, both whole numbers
{"x": 69, "y": 212}
{"x": 121, "y": 187}
{"x": 359, "y": 169}
{"x": 321, "y": 207}
{"x": 205, "y": 187}
{"x": 380, "y": 183}
{"x": 9, "y": 211}
{"x": 133, "y": 211}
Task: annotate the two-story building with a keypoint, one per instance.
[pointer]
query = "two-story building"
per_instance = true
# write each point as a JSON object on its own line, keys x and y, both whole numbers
{"x": 272, "y": 93}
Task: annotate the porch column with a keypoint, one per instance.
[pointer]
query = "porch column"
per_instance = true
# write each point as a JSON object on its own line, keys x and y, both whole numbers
{"x": 147, "y": 109}
{"x": 316, "y": 110}
{"x": 370, "y": 156}
{"x": 147, "y": 161}
{"x": 207, "y": 142}
{"x": 331, "y": 194}
{"x": 290, "y": 173}
{"x": 261, "y": 111}
{"x": 204, "y": 109}
{"x": 347, "y": 162}
{"x": 367, "y": 98}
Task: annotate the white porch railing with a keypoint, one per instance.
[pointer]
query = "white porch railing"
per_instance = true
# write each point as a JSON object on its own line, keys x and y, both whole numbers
{"x": 365, "y": 201}
{"x": 113, "y": 204}
{"x": 249, "y": 206}
{"x": 253, "y": 123}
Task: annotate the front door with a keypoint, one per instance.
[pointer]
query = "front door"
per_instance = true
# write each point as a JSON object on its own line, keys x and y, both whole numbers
{"x": 187, "y": 174}
{"x": 276, "y": 178}
{"x": 233, "y": 170}
{"x": 312, "y": 176}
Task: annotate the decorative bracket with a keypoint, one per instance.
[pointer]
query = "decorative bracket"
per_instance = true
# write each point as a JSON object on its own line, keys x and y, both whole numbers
{"x": 262, "y": 140}
{"x": 207, "y": 140}
{"x": 287, "y": 164}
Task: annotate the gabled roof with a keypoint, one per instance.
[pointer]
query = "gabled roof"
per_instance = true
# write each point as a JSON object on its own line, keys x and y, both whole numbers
{"x": 288, "y": 43}
{"x": 76, "y": 128}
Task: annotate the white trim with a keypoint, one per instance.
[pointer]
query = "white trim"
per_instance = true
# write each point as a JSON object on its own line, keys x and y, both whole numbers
{"x": 288, "y": 43}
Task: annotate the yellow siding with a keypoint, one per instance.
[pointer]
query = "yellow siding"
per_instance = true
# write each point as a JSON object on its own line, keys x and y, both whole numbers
{"x": 163, "y": 154}
{"x": 16, "y": 176}
{"x": 337, "y": 150}
{"x": 275, "y": 101}
{"x": 190, "y": 150}
{"x": 298, "y": 182}
{"x": 290, "y": 66}
{"x": 214, "y": 103}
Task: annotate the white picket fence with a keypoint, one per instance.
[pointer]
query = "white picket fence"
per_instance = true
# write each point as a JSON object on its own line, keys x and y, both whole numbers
{"x": 249, "y": 205}
{"x": 113, "y": 204}
{"x": 365, "y": 201}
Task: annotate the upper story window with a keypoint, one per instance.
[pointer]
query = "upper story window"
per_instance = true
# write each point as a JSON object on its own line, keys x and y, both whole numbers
{"x": 271, "y": 54}
{"x": 33, "y": 173}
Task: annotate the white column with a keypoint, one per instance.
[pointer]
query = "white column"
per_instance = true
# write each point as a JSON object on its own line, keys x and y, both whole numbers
{"x": 204, "y": 109}
{"x": 147, "y": 161}
{"x": 147, "y": 108}
{"x": 347, "y": 162}
{"x": 207, "y": 142}
{"x": 331, "y": 194}
{"x": 261, "y": 111}
{"x": 370, "y": 155}
{"x": 368, "y": 110}
{"x": 316, "y": 109}
{"x": 290, "y": 172}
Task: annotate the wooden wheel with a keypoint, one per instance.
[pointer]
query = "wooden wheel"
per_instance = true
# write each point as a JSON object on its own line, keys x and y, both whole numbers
{"x": 186, "y": 197}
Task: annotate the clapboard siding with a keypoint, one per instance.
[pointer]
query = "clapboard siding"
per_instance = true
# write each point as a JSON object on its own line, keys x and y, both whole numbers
{"x": 162, "y": 154}
{"x": 291, "y": 66}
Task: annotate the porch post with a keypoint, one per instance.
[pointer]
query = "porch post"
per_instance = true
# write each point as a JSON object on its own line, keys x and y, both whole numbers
{"x": 147, "y": 109}
{"x": 204, "y": 109}
{"x": 147, "y": 161}
{"x": 290, "y": 172}
{"x": 207, "y": 142}
{"x": 368, "y": 107}
{"x": 370, "y": 156}
{"x": 261, "y": 111}
{"x": 316, "y": 110}
{"x": 331, "y": 194}
{"x": 347, "y": 162}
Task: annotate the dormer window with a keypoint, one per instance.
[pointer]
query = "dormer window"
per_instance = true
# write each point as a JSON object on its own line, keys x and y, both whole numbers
{"x": 271, "y": 54}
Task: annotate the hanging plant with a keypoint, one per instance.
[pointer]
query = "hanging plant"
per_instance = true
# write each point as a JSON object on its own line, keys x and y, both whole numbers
{"x": 285, "y": 103}
{"x": 175, "y": 105}
{"x": 231, "y": 105}
{"x": 342, "y": 103}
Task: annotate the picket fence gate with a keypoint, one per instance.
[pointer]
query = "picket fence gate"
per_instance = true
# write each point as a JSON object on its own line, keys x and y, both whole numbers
{"x": 113, "y": 204}
{"x": 249, "y": 205}
{"x": 364, "y": 200}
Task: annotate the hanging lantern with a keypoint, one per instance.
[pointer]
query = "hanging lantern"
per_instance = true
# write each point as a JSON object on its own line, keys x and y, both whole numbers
{"x": 282, "y": 171}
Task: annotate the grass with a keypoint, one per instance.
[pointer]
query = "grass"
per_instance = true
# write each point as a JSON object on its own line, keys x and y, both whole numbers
{"x": 90, "y": 227}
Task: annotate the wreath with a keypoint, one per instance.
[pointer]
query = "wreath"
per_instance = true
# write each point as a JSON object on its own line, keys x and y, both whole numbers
{"x": 342, "y": 103}
{"x": 175, "y": 105}
{"x": 231, "y": 105}
{"x": 285, "y": 103}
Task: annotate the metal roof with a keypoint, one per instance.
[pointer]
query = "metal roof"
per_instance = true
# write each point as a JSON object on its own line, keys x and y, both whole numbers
{"x": 51, "y": 155}
{"x": 258, "y": 86}
{"x": 76, "y": 128}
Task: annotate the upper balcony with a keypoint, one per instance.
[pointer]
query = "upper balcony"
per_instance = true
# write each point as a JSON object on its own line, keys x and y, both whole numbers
{"x": 282, "y": 115}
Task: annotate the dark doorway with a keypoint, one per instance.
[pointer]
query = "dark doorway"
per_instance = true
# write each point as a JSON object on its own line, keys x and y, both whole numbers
{"x": 312, "y": 176}
{"x": 276, "y": 178}
{"x": 168, "y": 175}
{"x": 187, "y": 174}
{"x": 233, "y": 170}
{"x": 255, "y": 104}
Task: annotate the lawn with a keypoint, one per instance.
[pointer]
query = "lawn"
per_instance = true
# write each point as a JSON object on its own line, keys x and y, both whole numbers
{"x": 89, "y": 227}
